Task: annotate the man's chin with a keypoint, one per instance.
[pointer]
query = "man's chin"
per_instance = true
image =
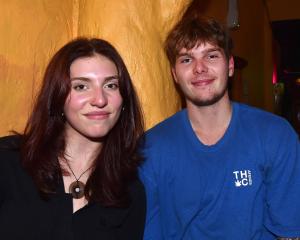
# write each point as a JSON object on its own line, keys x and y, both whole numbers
{"x": 208, "y": 101}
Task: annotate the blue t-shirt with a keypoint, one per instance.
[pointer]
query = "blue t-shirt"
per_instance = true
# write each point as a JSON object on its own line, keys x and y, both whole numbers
{"x": 246, "y": 186}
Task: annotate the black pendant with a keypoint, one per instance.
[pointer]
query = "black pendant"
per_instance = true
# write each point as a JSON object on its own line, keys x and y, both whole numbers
{"x": 77, "y": 189}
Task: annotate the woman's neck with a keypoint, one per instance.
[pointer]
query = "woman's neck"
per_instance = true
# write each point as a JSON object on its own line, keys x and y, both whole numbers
{"x": 80, "y": 152}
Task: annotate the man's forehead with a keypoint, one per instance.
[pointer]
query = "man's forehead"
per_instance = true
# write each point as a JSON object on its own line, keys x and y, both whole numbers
{"x": 203, "y": 46}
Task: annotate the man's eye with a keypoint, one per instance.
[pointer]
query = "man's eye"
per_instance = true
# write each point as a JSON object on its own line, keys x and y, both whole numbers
{"x": 185, "y": 60}
{"x": 213, "y": 56}
{"x": 79, "y": 87}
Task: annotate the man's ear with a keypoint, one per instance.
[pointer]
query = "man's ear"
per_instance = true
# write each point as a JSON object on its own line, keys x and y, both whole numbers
{"x": 230, "y": 66}
{"x": 174, "y": 74}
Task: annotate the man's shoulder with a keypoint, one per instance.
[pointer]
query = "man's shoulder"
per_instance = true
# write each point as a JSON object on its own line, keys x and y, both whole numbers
{"x": 247, "y": 109}
{"x": 168, "y": 126}
{"x": 163, "y": 135}
{"x": 263, "y": 123}
{"x": 259, "y": 116}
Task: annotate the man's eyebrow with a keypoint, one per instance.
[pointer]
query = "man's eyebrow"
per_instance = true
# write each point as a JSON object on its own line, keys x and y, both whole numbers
{"x": 185, "y": 54}
{"x": 215, "y": 49}
{"x": 189, "y": 54}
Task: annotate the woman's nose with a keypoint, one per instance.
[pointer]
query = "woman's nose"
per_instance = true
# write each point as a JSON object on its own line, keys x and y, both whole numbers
{"x": 99, "y": 98}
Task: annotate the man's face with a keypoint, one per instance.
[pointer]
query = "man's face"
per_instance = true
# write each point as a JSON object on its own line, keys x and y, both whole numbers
{"x": 202, "y": 74}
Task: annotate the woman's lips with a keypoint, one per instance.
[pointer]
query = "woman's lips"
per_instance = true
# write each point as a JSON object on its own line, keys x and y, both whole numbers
{"x": 97, "y": 115}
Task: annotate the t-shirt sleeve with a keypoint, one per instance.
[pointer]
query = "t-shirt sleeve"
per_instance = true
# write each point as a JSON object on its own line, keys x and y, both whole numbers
{"x": 147, "y": 175}
{"x": 282, "y": 216}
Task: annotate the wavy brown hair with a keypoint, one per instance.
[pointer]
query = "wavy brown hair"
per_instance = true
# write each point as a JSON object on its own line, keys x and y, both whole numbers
{"x": 194, "y": 29}
{"x": 44, "y": 141}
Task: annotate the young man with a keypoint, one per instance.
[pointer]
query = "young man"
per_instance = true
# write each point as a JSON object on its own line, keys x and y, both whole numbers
{"x": 218, "y": 169}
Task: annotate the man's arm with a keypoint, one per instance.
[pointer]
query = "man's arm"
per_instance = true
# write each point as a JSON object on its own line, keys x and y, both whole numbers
{"x": 282, "y": 182}
{"x": 153, "y": 229}
{"x": 284, "y": 238}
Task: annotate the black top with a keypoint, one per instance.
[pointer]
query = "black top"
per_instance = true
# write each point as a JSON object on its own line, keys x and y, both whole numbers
{"x": 24, "y": 215}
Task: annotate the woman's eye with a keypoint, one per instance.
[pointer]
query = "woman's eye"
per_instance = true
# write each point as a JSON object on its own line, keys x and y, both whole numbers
{"x": 111, "y": 85}
{"x": 80, "y": 87}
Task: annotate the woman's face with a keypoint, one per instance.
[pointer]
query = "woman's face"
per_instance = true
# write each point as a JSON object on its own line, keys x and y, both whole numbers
{"x": 94, "y": 103}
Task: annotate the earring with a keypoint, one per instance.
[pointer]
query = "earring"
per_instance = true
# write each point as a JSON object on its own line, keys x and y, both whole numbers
{"x": 123, "y": 109}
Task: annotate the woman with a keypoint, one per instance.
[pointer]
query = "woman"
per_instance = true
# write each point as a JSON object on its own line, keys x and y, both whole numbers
{"x": 73, "y": 173}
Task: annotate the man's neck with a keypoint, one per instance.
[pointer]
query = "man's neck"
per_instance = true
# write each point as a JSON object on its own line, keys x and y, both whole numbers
{"x": 210, "y": 122}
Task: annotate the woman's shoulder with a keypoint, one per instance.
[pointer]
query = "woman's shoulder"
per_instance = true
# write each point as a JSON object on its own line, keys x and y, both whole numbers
{"x": 10, "y": 143}
{"x": 10, "y": 150}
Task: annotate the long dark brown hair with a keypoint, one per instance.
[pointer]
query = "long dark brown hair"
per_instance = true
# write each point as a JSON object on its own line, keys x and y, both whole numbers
{"x": 43, "y": 139}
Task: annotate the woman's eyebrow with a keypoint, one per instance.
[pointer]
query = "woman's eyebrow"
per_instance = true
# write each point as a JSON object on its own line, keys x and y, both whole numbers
{"x": 111, "y": 78}
{"x": 80, "y": 78}
{"x": 85, "y": 79}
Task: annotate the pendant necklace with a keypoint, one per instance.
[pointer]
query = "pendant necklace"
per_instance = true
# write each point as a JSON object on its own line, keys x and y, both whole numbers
{"x": 76, "y": 188}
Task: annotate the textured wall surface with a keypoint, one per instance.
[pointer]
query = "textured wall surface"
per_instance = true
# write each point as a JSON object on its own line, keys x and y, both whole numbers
{"x": 137, "y": 28}
{"x": 32, "y": 30}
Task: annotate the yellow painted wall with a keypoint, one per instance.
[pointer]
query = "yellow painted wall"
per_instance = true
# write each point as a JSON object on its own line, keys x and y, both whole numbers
{"x": 32, "y": 30}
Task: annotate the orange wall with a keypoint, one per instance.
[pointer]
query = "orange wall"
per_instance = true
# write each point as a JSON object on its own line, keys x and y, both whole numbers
{"x": 32, "y": 30}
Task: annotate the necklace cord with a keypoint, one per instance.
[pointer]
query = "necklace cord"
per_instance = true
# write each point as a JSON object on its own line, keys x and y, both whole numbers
{"x": 77, "y": 179}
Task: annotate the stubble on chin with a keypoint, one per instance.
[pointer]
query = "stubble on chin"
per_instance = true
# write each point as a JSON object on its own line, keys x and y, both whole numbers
{"x": 208, "y": 101}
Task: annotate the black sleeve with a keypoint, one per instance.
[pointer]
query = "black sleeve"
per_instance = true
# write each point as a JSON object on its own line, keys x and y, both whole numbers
{"x": 10, "y": 143}
{"x": 9, "y": 148}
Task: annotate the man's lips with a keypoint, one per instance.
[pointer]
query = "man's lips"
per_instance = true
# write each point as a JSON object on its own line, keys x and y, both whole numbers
{"x": 202, "y": 82}
{"x": 97, "y": 115}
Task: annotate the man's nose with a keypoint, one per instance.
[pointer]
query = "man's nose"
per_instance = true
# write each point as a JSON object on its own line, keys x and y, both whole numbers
{"x": 200, "y": 66}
